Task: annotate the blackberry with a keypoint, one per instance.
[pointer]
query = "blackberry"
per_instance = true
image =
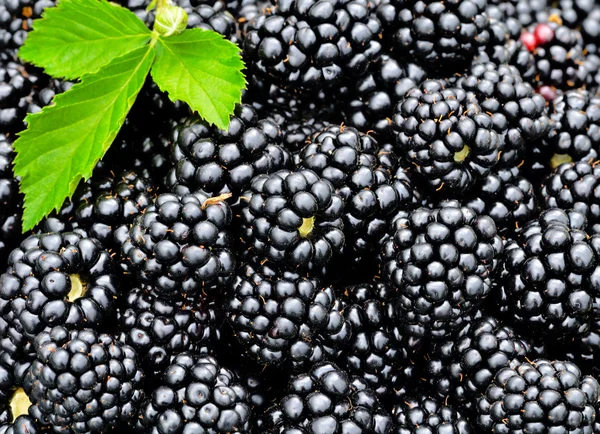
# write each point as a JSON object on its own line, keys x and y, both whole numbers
{"x": 435, "y": 33}
{"x": 10, "y": 201}
{"x": 327, "y": 399}
{"x": 449, "y": 139}
{"x": 369, "y": 100}
{"x": 425, "y": 415}
{"x": 559, "y": 54}
{"x": 441, "y": 261}
{"x": 575, "y": 135}
{"x": 54, "y": 280}
{"x": 377, "y": 349}
{"x": 519, "y": 115}
{"x": 181, "y": 245}
{"x": 217, "y": 162}
{"x": 462, "y": 367}
{"x": 281, "y": 317}
{"x": 83, "y": 381}
{"x": 196, "y": 394}
{"x": 312, "y": 44}
{"x": 507, "y": 197}
{"x": 367, "y": 178}
{"x": 16, "y": 17}
{"x": 294, "y": 218}
{"x": 575, "y": 186}
{"x": 106, "y": 202}
{"x": 548, "y": 278}
{"x": 17, "y": 415}
{"x": 296, "y": 135}
{"x": 539, "y": 396}
{"x": 159, "y": 328}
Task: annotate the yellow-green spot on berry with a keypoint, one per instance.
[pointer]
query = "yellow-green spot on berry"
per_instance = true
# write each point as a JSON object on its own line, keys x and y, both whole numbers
{"x": 78, "y": 288}
{"x": 462, "y": 155}
{"x": 19, "y": 403}
{"x": 307, "y": 227}
{"x": 558, "y": 159}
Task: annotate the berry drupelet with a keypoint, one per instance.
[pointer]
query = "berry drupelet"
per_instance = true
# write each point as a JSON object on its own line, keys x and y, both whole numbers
{"x": 159, "y": 328}
{"x": 507, "y": 197}
{"x": 575, "y": 186}
{"x": 283, "y": 318}
{"x": 463, "y": 366}
{"x": 181, "y": 245}
{"x": 519, "y": 114}
{"x": 450, "y": 140}
{"x": 435, "y": 33}
{"x": 548, "y": 280}
{"x": 575, "y": 135}
{"x": 83, "y": 381}
{"x": 327, "y": 400}
{"x": 196, "y": 395}
{"x": 217, "y": 162}
{"x": 294, "y": 219}
{"x": 55, "y": 280}
{"x": 16, "y": 17}
{"x": 441, "y": 261}
{"x": 312, "y": 44}
{"x": 419, "y": 413}
{"x": 539, "y": 396}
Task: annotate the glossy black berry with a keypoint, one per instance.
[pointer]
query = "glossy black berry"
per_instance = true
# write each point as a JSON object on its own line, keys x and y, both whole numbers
{"x": 294, "y": 218}
{"x": 448, "y": 138}
{"x": 83, "y": 381}
{"x": 181, "y": 245}
{"x": 419, "y": 413}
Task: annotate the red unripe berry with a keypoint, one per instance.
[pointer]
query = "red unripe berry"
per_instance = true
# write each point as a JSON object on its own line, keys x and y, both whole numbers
{"x": 548, "y": 92}
{"x": 529, "y": 41}
{"x": 543, "y": 34}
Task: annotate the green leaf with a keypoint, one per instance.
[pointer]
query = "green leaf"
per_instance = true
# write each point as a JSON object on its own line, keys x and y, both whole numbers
{"x": 81, "y": 36}
{"x": 202, "y": 69}
{"x": 63, "y": 142}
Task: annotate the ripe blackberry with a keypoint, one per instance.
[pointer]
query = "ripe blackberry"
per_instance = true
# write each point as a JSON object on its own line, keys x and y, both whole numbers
{"x": 17, "y": 85}
{"x": 449, "y": 139}
{"x": 181, "y": 245}
{"x": 559, "y": 54}
{"x": 54, "y": 280}
{"x": 575, "y": 186}
{"x": 106, "y": 202}
{"x": 17, "y": 414}
{"x": 159, "y": 328}
{"x": 16, "y": 17}
{"x": 441, "y": 261}
{"x": 281, "y": 317}
{"x": 312, "y": 44}
{"x": 196, "y": 395}
{"x": 435, "y": 33}
{"x": 367, "y": 178}
{"x": 217, "y": 162}
{"x": 539, "y": 396}
{"x": 83, "y": 381}
{"x": 377, "y": 349}
{"x": 575, "y": 135}
{"x": 462, "y": 367}
{"x": 369, "y": 100}
{"x": 549, "y": 275}
{"x": 419, "y": 413}
{"x": 505, "y": 47}
{"x": 10, "y": 201}
{"x": 507, "y": 197}
{"x": 294, "y": 218}
{"x": 519, "y": 114}
{"x": 327, "y": 399}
